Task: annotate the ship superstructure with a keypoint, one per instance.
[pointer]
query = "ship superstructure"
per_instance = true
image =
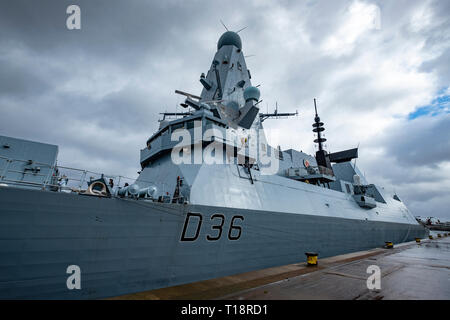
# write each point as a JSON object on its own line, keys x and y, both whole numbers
{"x": 226, "y": 121}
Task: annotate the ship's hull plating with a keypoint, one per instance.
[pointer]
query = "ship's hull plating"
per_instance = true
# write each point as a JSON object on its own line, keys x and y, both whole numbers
{"x": 124, "y": 246}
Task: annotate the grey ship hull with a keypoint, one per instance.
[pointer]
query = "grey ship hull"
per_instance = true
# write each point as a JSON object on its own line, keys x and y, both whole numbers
{"x": 124, "y": 246}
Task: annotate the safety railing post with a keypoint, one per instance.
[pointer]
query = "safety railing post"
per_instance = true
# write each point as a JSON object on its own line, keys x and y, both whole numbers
{"x": 82, "y": 179}
{"x": 47, "y": 178}
{"x": 5, "y": 170}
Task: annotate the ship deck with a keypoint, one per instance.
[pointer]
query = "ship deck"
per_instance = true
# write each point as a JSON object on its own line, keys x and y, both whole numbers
{"x": 408, "y": 271}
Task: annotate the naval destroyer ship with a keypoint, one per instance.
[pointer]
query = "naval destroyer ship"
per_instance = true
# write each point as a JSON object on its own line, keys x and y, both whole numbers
{"x": 213, "y": 198}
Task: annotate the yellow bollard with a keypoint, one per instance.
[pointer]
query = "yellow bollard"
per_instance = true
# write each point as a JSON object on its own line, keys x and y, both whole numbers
{"x": 418, "y": 240}
{"x": 430, "y": 237}
{"x": 439, "y": 235}
{"x": 389, "y": 245}
{"x": 311, "y": 258}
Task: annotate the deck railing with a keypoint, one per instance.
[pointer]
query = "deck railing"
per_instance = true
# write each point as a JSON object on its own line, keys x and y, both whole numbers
{"x": 58, "y": 178}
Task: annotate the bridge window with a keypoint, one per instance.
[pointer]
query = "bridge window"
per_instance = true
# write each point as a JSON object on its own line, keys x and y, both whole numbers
{"x": 263, "y": 147}
{"x": 212, "y": 122}
{"x": 177, "y": 126}
{"x": 348, "y": 188}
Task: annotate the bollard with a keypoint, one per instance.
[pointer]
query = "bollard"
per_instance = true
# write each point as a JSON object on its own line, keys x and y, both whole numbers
{"x": 311, "y": 258}
{"x": 389, "y": 245}
{"x": 430, "y": 237}
{"x": 418, "y": 240}
{"x": 439, "y": 235}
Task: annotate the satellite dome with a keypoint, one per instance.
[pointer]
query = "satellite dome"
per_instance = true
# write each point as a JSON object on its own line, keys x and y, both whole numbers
{"x": 229, "y": 38}
{"x": 251, "y": 93}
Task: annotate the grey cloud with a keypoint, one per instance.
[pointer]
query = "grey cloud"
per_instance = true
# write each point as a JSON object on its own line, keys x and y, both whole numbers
{"x": 420, "y": 142}
{"x": 15, "y": 80}
{"x": 413, "y": 158}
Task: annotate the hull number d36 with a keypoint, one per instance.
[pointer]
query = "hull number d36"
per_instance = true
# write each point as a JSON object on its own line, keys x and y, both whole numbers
{"x": 217, "y": 223}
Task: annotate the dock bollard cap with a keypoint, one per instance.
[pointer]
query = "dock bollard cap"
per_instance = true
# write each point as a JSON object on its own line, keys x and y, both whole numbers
{"x": 311, "y": 259}
{"x": 389, "y": 244}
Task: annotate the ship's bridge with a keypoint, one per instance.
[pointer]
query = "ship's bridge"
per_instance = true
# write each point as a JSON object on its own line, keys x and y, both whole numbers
{"x": 201, "y": 127}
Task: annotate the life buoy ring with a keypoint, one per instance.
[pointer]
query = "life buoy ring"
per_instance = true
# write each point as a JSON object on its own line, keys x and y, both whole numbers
{"x": 97, "y": 188}
{"x": 306, "y": 163}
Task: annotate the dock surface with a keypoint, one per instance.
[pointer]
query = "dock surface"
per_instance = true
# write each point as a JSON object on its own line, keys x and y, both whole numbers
{"x": 408, "y": 271}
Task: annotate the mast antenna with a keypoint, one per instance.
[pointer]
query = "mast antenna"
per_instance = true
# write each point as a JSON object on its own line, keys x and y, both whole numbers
{"x": 224, "y": 25}
{"x": 276, "y": 114}
{"x": 315, "y": 106}
{"x": 241, "y": 29}
{"x": 318, "y": 128}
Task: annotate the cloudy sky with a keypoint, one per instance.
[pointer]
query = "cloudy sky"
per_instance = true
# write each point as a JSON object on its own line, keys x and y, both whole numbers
{"x": 379, "y": 69}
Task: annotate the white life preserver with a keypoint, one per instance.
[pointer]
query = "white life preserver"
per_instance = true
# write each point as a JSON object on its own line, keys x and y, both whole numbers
{"x": 96, "y": 192}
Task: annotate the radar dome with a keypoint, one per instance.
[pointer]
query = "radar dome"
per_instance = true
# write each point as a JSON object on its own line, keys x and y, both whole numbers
{"x": 251, "y": 93}
{"x": 229, "y": 38}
